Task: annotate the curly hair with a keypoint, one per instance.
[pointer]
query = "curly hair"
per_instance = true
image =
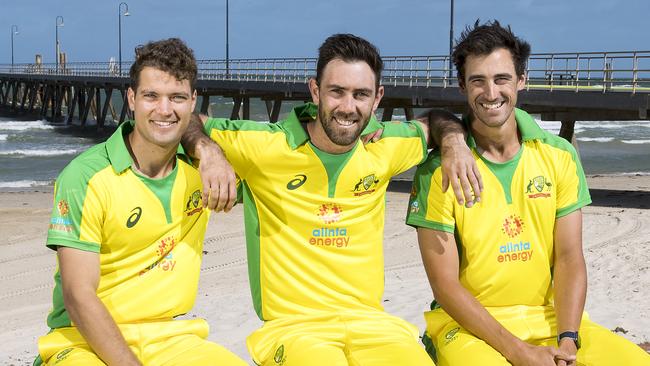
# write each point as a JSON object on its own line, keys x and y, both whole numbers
{"x": 483, "y": 40}
{"x": 348, "y": 47}
{"x": 169, "y": 55}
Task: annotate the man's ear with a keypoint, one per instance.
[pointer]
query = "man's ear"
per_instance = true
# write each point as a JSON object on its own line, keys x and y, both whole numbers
{"x": 461, "y": 87}
{"x": 314, "y": 90}
{"x": 378, "y": 95}
{"x": 130, "y": 94}
{"x": 521, "y": 82}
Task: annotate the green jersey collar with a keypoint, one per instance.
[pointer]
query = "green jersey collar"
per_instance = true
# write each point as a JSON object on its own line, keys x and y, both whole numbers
{"x": 525, "y": 124}
{"x": 119, "y": 155}
{"x": 296, "y": 134}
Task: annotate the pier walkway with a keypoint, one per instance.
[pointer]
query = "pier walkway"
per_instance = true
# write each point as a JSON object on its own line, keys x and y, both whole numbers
{"x": 561, "y": 86}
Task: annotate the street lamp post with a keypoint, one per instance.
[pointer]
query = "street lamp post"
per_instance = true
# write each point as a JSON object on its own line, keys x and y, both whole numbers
{"x": 451, "y": 37}
{"x": 57, "y": 39}
{"x": 14, "y": 30}
{"x": 227, "y": 45}
{"x": 119, "y": 30}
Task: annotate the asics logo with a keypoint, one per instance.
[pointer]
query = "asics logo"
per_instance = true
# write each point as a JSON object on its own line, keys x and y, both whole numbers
{"x": 296, "y": 182}
{"x": 134, "y": 218}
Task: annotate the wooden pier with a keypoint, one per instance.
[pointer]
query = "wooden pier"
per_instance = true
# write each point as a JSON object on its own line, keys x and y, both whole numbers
{"x": 565, "y": 87}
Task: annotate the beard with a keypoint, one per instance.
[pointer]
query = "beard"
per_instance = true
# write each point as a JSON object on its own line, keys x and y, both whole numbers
{"x": 340, "y": 135}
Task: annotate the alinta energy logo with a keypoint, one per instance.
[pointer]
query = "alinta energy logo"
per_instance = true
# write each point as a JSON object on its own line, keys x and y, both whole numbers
{"x": 541, "y": 184}
{"x": 513, "y": 226}
{"x": 62, "y": 222}
{"x": 366, "y": 185}
{"x": 193, "y": 204}
{"x": 164, "y": 257}
{"x": 329, "y": 213}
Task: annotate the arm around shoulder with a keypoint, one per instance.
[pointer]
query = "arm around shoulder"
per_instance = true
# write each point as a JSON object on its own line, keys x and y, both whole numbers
{"x": 444, "y": 130}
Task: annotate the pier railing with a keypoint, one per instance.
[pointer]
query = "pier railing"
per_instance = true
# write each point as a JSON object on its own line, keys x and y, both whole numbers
{"x": 603, "y": 72}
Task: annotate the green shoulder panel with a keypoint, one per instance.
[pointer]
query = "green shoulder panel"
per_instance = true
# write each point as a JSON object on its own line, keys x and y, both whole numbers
{"x": 405, "y": 129}
{"x": 225, "y": 124}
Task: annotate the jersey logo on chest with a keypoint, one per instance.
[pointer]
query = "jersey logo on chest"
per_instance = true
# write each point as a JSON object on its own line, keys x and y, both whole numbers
{"x": 539, "y": 187}
{"x": 133, "y": 219}
{"x": 296, "y": 182}
{"x": 193, "y": 204}
{"x": 366, "y": 185}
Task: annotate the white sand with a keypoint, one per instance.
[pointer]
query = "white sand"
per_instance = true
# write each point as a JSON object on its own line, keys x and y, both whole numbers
{"x": 616, "y": 240}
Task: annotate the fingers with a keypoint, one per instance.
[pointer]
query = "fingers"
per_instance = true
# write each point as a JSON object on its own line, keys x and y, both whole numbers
{"x": 221, "y": 197}
{"x": 477, "y": 182}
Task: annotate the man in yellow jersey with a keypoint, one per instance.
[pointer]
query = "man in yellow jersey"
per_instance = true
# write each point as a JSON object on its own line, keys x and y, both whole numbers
{"x": 314, "y": 199}
{"x": 128, "y": 228}
{"x": 508, "y": 274}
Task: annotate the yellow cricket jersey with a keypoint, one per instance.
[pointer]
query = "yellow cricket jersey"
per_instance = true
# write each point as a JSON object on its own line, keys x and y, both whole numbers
{"x": 505, "y": 242}
{"x": 314, "y": 221}
{"x": 148, "y": 232}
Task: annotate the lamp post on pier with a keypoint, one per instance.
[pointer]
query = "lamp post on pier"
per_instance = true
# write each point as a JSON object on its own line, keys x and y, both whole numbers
{"x": 227, "y": 45}
{"x": 57, "y": 39}
{"x": 119, "y": 31}
{"x": 451, "y": 38}
{"x": 14, "y": 30}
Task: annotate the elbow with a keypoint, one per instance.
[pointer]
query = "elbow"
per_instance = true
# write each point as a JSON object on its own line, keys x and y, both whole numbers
{"x": 443, "y": 291}
{"x": 74, "y": 299}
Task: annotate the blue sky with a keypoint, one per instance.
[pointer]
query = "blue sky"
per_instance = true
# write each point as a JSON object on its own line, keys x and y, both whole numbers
{"x": 295, "y": 28}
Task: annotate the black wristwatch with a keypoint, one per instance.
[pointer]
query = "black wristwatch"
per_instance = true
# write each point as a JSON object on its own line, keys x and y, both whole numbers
{"x": 572, "y": 335}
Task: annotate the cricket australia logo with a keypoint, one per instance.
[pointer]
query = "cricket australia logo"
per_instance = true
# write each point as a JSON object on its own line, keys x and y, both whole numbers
{"x": 542, "y": 187}
{"x": 193, "y": 204}
{"x": 366, "y": 185}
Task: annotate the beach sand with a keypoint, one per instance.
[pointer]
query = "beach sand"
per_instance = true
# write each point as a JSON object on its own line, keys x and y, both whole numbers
{"x": 616, "y": 245}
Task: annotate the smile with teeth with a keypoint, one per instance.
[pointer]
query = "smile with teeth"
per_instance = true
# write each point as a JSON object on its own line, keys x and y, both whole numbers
{"x": 494, "y": 105}
{"x": 344, "y": 122}
{"x": 163, "y": 123}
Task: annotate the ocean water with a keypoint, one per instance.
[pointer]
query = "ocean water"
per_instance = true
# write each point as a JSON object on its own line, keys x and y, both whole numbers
{"x": 33, "y": 152}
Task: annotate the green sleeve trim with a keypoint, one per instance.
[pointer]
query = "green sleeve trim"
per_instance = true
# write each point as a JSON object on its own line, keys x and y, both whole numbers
{"x": 574, "y": 207}
{"x": 53, "y": 243}
{"x": 417, "y": 222}
{"x": 252, "y": 229}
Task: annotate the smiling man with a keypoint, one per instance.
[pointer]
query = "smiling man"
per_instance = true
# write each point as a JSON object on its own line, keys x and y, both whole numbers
{"x": 508, "y": 275}
{"x": 128, "y": 229}
{"x": 314, "y": 198}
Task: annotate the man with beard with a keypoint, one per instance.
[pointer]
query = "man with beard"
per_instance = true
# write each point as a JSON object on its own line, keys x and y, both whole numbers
{"x": 314, "y": 198}
{"x": 508, "y": 275}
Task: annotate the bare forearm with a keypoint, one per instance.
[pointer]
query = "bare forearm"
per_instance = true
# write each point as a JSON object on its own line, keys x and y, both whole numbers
{"x": 570, "y": 284}
{"x": 194, "y": 138}
{"x": 444, "y": 128}
{"x": 98, "y": 328}
{"x": 471, "y": 315}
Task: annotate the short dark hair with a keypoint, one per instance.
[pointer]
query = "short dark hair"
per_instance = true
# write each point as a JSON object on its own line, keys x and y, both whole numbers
{"x": 348, "y": 47}
{"x": 169, "y": 55}
{"x": 483, "y": 40}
